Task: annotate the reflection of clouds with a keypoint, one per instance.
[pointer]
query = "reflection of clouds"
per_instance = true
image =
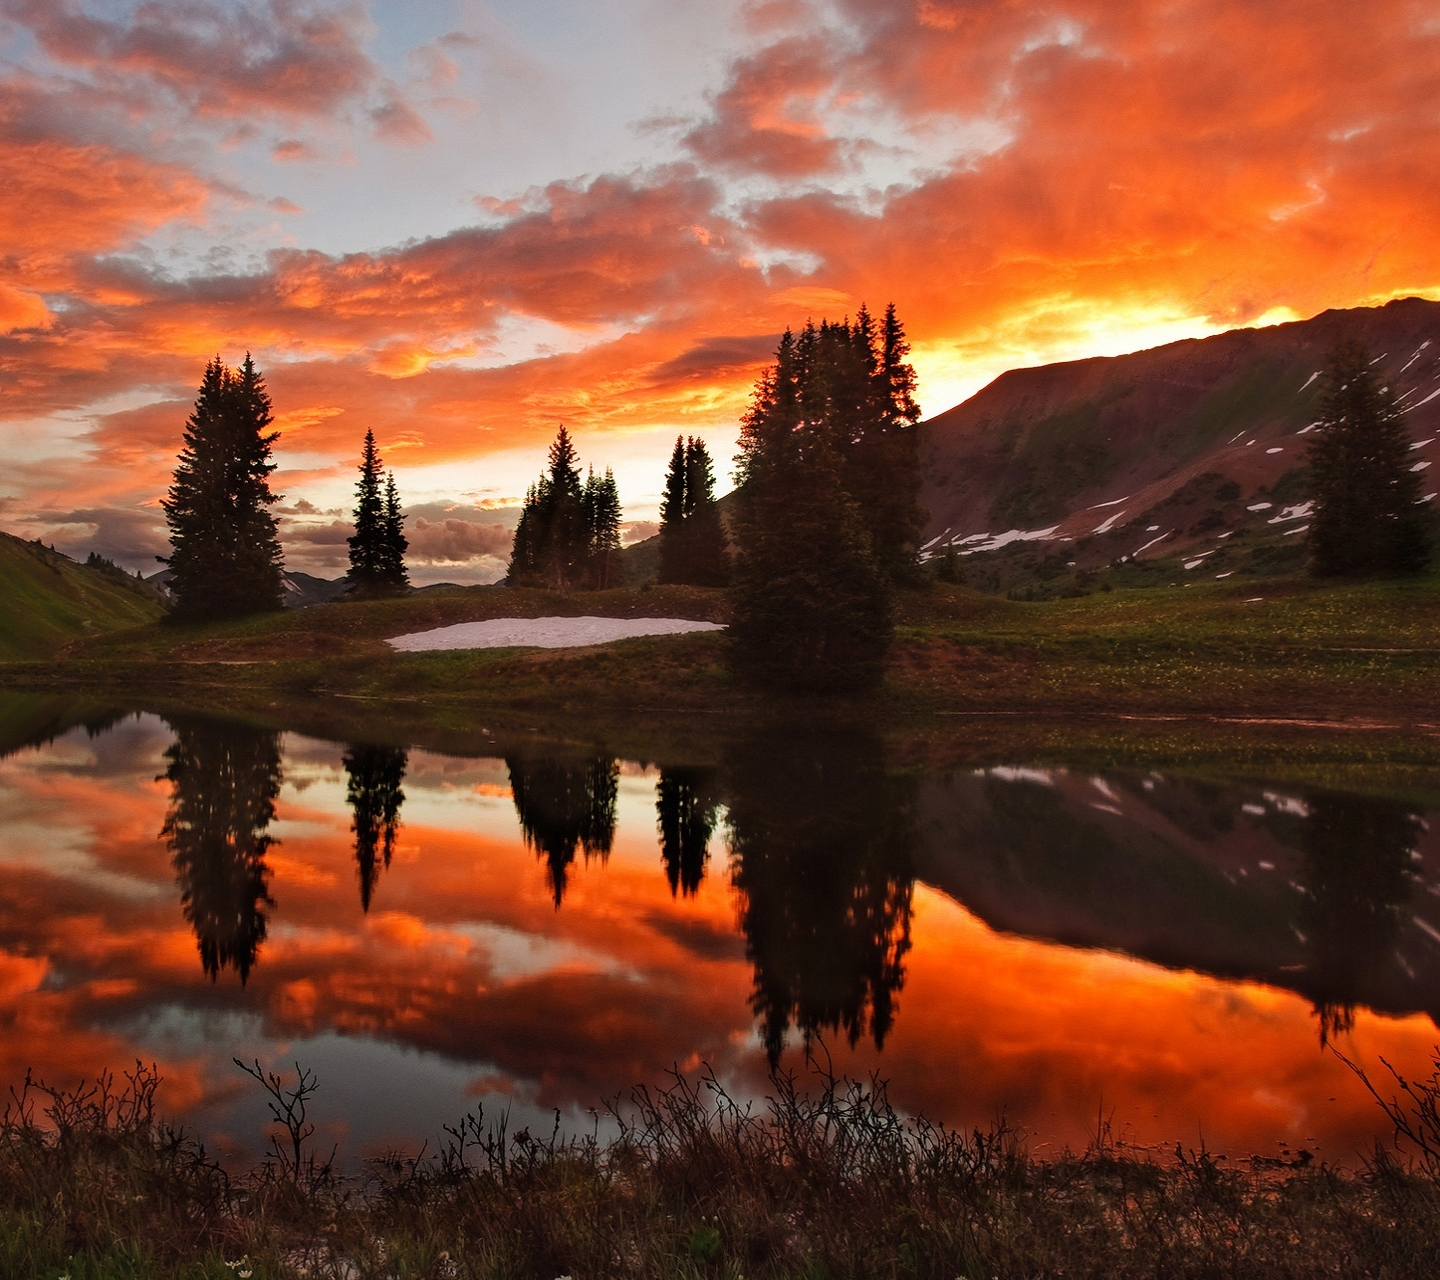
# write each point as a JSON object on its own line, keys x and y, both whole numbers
{"x": 465, "y": 981}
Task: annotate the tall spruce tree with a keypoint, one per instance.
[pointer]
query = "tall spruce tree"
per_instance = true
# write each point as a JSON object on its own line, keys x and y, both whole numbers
{"x": 367, "y": 543}
{"x": 395, "y": 541}
{"x": 225, "y": 558}
{"x": 601, "y": 500}
{"x": 672, "y": 518}
{"x": 569, "y": 530}
{"x": 1367, "y": 520}
{"x": 821, "y": 539}
{"x": 692, "y": 539}
{"x": 378, "y": 545}
{"x": 707, "y": 563}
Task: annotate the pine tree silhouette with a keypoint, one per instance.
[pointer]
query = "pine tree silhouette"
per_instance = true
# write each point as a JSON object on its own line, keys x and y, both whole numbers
{"x": 692, "y": 539}
{"x": 1367, "y": 519}
{"x": 224, "y": 780}
{"x": 378, "y": 545}
{"x": 687, "y": 805}
{"x": 225, "y": 558}
{"x": 372, "y": 789}
{"x": 569, "y": 530}
{"x": 367, "y": 543}
{"x": 564, "y": 805}
{"x": 395, "y": 542}
{"x": 820, "y": 840}
{"x": 826, "y": 514}
{"x": 672, "y": 518}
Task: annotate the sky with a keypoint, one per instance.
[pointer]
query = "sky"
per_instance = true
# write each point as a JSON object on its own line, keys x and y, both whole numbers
{"x": 461, "y": 223}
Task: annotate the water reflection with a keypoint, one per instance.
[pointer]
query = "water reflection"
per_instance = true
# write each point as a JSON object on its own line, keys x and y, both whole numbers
{"x": 224, "y": 779}
{"x": 820, "y": 841}
{"x": 372, "y": 790}
{"x": 1356, "y": 880}
{"x": 1000, "y": 906}
{"x": 687, "y": 807}
{"x": 564, "y": 805}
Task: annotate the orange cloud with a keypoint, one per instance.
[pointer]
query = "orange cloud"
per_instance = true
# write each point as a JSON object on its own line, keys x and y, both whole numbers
{"x": 1025, "y": 184}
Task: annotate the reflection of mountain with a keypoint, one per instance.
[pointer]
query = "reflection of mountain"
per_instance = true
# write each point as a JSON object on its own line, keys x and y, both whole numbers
{"x": 372, "y": 789}
{"x": 687, "y": 804}
{"x": 820, "y": 839}
{"x": 1317, "y": 894}
{"x": 1357, "y": 856}
{"x": 565, "y": 804}
{"x": 225, "y": 778}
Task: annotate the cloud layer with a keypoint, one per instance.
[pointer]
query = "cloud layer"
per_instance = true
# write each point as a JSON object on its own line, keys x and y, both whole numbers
{"x": 1025, "y": 182}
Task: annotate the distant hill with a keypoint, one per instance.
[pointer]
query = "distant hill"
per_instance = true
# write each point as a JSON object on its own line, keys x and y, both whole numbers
{"x": 301, "y": 589}
{"x": 48, "y": 600}
{"x": 1187, "y": 442}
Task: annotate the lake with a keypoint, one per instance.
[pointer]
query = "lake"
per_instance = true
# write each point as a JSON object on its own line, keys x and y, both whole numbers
{"x": 541, "y": 928}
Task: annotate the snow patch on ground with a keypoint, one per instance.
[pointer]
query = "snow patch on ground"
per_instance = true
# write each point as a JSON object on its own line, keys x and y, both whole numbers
{"x": 1105, "y": 527}
{"x": 543, "y": 633}
{"x": 1297, "y": 512}
{"x": 1005, "y": 539}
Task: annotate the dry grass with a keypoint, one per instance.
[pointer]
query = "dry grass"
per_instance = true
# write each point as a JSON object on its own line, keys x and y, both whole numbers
{"x": 825, "y": 1180}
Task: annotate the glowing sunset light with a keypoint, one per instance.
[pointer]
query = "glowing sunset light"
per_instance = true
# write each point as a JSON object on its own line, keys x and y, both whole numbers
{"x": 459, "y": 226}
{"x": 465, "y": 975}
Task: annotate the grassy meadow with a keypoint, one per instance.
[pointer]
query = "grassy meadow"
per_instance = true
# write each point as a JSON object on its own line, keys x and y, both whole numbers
{"x": 1285, "y": 650}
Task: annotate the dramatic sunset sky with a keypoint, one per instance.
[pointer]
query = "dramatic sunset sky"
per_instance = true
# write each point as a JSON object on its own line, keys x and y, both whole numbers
{"x": 461, "y": 222}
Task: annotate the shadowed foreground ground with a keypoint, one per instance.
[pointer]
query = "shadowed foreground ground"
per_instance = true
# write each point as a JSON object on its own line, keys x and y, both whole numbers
{"x": 825, "y": 1180}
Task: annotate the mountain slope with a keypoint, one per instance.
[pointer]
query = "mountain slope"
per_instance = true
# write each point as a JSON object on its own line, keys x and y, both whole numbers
{"x": 1069, "y": 451}
{"x": 47, "y": 600}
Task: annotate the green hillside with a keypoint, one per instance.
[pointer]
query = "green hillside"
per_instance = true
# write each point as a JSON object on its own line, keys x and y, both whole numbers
{"x": 47, "y": 600}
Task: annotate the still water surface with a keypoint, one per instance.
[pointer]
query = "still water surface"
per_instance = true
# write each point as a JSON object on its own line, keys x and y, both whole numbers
{"x": 543, "y": 930}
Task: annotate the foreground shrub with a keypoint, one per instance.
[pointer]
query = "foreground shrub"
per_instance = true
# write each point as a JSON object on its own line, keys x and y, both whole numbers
{"x": 825, "y": 1181}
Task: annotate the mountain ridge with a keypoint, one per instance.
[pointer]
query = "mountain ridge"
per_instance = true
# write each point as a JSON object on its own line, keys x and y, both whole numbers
{"x": 1081, "y": 448}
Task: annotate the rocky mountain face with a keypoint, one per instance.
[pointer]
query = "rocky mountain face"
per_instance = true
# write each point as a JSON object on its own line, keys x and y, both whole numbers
{"x": 1152, "y": 454}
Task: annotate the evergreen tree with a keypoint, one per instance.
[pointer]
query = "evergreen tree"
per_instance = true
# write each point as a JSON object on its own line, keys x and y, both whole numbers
{"x": 812, "y": 605}
{"x": 395, "y": 541}
{"x": 225, "y": 558}
{"x": 367, "y": 544}
{"x": 569, "y": 530}
{"x": 602, "y": 528}
{"x": 672, "y": 518}
{"x": 707, "y": 564}
{"x": 692, "y": 539}
{"x": 1366, "y": 521}
{"x": 378, "y": 545}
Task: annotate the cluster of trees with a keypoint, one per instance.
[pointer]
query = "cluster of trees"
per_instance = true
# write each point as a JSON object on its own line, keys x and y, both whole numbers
{"x": 827, "y": 517}
{"x": 225, "y": 556}
{"x": 377, "y": 548}
{"x": 692, "y": 539}
{"x": 569, "y": 530}
{"x": 225, "y": 559}
{"x": 1368, "y": 519}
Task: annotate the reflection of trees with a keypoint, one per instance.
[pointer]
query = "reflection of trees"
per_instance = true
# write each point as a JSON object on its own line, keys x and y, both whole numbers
{"x": 565, "y": 804}
{"x": 1357, "y": 852}
{"x": 224, "y": 780}
{"x": 686, "y": 807}
{"x": 373, "y": 792}
{"x": 820, "y": 839}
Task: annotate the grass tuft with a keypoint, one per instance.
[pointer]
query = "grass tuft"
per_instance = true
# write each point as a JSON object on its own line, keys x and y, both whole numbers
{"x": 824, "y": 1180}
